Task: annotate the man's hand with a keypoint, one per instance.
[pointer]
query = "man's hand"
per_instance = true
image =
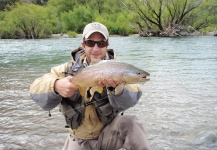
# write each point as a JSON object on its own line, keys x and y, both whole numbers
{"x": 64, "y": 87}
{"x": 108, "y": 83}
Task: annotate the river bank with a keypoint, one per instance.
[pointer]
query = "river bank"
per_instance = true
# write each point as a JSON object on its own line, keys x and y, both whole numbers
{"x": 134, "y": 35}
{"x": 80, "y": 35}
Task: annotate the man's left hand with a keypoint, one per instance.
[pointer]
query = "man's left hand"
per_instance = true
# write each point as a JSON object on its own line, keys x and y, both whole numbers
{"x": 108, "y": 83}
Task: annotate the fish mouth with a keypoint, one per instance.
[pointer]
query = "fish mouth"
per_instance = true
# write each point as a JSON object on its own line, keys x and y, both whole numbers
{"x": 146, "y": 77}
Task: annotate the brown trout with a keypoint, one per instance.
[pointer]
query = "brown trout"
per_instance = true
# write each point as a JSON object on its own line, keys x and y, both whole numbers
{"x": 109, "y": 69}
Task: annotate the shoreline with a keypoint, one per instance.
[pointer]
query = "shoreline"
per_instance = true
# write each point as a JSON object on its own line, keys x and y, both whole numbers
{"x": 80, "y": 36}
{"x": 132, "y": 35}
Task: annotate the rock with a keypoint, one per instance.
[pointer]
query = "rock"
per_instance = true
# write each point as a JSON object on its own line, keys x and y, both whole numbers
{"x": 207, "y": 139}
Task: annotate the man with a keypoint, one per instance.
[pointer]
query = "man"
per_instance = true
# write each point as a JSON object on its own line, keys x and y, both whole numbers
{"x": 95, "y": 121}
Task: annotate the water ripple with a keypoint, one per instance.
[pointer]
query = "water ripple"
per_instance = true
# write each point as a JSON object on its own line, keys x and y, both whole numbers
{"x": 177, "y": 108}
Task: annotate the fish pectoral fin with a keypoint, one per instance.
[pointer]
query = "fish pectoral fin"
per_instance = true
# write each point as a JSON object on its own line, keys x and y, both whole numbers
{"x": 99, "y": 89}
{"x": 82, "y": 90}
{"x": 96, "y": 88}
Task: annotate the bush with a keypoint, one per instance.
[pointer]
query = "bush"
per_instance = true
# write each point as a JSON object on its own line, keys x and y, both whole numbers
{"x": 26, "y": 21}
{"x": 54, "y": 20}
{"x": 76, "y": 20}
{"x": 2, "y": 15}
{"x": 72, "y": 33}
{"x": 117, "y": 23}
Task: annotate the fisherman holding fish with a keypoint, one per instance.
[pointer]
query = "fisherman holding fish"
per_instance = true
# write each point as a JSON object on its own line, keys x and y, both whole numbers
{"x": 92, "y": 95}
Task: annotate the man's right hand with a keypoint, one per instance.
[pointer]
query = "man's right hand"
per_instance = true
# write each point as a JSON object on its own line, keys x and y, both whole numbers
{"x": 64, "y": 87}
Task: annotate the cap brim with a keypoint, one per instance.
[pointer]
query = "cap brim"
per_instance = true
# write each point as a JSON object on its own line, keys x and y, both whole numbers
{"x": 91, "y": 32}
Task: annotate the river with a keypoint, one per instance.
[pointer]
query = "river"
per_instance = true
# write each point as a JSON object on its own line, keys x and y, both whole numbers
{"x": 178, "y": 107}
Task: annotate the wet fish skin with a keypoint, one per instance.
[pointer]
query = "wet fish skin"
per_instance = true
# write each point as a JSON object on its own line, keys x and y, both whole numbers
{"x": 109, "y": 69}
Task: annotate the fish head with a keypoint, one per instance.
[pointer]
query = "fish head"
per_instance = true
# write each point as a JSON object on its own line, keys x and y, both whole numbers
{"x": 135, "y": 75}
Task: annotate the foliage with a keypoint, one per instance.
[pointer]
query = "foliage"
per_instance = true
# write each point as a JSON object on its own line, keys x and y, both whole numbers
{"x": 72, "y": 33}
{"x": 171, "y": 17}
{"x": 63, "y": 5}
{"x": 54, "y": 19}
{"x": 5, "y": 3}
{"x": 2, "y": 15}
{"x": 146, "y": 17}
{"x": 26, "y": 21}
{"x": 76, "y": 20}
{"x": 209, "y": 13}
{"x": 117, "y": 23}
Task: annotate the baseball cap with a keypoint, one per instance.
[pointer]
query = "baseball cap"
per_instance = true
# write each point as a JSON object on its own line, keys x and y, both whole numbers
{"x": 95, "y": 27}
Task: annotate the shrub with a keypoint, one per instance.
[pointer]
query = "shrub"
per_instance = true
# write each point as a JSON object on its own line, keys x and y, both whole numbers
{"x": 72, "y": 33}
{"x": 26, "y": 21}
{"x": 76, "y": 20}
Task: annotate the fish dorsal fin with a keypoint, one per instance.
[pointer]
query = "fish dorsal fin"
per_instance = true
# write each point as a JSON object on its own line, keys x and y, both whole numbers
{"x": 99, "y": 61}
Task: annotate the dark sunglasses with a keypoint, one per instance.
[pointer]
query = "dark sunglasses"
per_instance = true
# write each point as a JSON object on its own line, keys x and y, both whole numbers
{"x": 100, "y": 44}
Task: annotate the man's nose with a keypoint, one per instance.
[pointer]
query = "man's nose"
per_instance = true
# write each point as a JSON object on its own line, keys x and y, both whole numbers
{"x": 96, "y": 47}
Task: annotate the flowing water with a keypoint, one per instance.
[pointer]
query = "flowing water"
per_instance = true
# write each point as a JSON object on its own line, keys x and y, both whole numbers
{"x": 178, "y": 108}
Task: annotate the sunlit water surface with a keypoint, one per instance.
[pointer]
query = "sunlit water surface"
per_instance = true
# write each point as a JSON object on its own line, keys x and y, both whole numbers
{"x": 178, "y": 108}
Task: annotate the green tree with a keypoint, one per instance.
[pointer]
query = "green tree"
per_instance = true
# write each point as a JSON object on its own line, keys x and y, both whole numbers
{"x": 2, "y": 15}
{"x": 5, "y": 3}
{"x": 54, "y": 19}
{"x": 63, "y": 5}
{"x": 206, "y": 19}
{"x": 76, "y": 20}
{"x": 26, "y": 21}
{"x": 171, "y": 17}
{"x": 116, "y": 24}
{"x": 75, "y": 14}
